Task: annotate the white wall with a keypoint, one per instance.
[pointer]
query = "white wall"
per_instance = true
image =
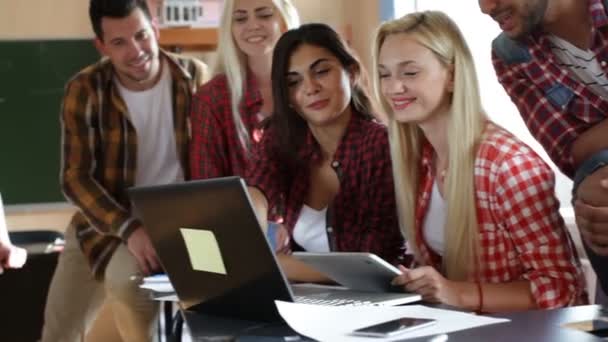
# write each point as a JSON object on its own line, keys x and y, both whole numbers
{"x": 41, "y": 19}
{"x": 479, "y": 30}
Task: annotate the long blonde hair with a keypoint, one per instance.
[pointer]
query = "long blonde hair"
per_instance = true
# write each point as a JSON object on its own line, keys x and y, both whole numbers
{"x": 232, "y": 62}
{"x": 437, "y": 32}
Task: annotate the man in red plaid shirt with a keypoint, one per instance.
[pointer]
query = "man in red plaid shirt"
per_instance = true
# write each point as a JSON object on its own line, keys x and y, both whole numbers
{"x": 551, "y": 59}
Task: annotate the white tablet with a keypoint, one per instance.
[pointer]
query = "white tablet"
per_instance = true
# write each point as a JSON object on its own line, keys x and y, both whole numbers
{"x": 357, "y": 271}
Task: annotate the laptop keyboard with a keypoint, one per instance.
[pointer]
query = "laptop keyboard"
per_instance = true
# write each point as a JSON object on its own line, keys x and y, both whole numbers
{"x": 330, "y": 302}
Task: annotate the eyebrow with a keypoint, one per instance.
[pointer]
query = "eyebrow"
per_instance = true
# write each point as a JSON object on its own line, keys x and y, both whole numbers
{"x": 405, "y": 63}
{"x": 262, "y": 9}
{"x": 116, "y": 40}
{"x": 312, "y": 66}
{"x": 259, "y": 9}
{"x": 399, "y": 65}
{"x": 317, "y": 62}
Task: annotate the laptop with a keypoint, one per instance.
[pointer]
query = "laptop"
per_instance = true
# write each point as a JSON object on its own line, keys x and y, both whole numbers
{"x": 211, "y": 246}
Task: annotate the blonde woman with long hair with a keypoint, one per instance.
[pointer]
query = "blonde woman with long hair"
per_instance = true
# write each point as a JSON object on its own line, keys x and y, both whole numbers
{"x": 228, "y": 111}
{"x": 476, "y": 204}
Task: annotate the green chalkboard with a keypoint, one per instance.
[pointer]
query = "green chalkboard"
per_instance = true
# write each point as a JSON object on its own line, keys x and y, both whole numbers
{"x": 32, "y": 79}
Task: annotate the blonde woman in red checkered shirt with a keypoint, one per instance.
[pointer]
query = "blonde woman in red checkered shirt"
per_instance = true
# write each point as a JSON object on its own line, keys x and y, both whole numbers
{"x": 476, "y": 204}
{"x": 229, "y": 111}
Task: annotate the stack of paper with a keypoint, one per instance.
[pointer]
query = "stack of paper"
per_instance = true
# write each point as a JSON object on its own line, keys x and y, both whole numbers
{"x": 335, "y": 323}
{"x": 157, "y": 283}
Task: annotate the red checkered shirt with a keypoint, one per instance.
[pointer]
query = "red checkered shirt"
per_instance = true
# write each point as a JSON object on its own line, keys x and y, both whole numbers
{"x": 362, "y": 216}
{"x": 556, "y": 107}
{"x": 522, "y": 235}
{"x": 215, "y": 150}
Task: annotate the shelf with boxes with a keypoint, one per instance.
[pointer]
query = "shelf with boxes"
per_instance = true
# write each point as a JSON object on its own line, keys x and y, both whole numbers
{"x": 187, "y": 24}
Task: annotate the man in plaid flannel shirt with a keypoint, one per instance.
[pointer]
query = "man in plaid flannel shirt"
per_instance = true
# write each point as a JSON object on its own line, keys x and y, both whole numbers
{"x": 552, "y": 59}
{"x": 124, "y": 123}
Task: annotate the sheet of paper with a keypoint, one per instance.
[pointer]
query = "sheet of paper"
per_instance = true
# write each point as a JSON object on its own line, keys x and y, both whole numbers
{"x": 203, "y": 250}
{"x": 162, "y": 287}
{"x": 158, "y": 283}
{"x": 167, "y": 298}
{"x": 334, "y": 323}
{"x": 157, "y": 278}
{"x": 158, "y": 287}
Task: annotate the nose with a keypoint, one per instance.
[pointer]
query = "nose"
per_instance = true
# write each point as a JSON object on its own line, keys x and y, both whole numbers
{"x": 392, "y": 86}
{"x": 487, "y": 6}
{"x": 254, "y": 23}
{"x": 311, "y": 86}
{"x": 134, "y": 49}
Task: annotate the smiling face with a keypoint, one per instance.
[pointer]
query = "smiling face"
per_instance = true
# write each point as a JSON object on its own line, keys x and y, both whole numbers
{"x": 131, "y": 45}
{"x": 413, "y": 81}
{"x": 256, "y": 26}
{"x": 516, "y": 18}
{"x": 319, "y": 85}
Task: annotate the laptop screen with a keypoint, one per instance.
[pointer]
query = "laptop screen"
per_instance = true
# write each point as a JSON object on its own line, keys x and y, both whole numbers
{"x": 209, "y": 242}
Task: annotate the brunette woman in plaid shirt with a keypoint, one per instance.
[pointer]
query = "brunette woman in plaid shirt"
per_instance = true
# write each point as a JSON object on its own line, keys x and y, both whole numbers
{"x": 323, "y": 159}
{"x": 476, "y": 204}
{"x": 227, "y": 112}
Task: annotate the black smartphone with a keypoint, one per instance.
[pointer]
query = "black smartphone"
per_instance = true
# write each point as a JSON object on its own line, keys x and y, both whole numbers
{"x": 393, "y": 327}
{"x": 600, "y": 328}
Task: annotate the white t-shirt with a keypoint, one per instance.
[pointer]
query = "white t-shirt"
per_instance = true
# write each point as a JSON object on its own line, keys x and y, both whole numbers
{"x": 583, "y": 65}
{"x": 151, "y": 113}
{"x": 434, "y": 225}
{"x": 310, "y": 230}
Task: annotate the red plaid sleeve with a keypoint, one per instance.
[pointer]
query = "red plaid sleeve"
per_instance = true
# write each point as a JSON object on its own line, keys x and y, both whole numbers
{"x": 267, "y": 174}
{"x": 384, "y": 237}
{"x": 208, "y": 156}
{"x": 529, "y": 210}
{"x": 553, "y": 127}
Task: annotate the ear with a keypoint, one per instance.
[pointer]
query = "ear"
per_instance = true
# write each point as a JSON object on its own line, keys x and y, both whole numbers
{"x": 155, "y": 28}
{"x": 353, "y": 73}
{"x": 99, "y": 45}
{"x": 283, "y": 27}
{"x": 450, "y": 83}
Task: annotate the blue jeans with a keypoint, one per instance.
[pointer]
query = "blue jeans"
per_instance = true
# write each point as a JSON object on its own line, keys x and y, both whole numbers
{"x": 271, "y": 234}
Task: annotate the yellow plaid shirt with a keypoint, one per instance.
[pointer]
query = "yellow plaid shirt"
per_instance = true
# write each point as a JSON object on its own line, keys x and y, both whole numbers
{"x": 99, "y": 152}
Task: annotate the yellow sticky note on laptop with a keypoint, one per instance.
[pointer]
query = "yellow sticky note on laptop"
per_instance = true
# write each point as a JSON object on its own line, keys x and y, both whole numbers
{"x": 203, "y": 250}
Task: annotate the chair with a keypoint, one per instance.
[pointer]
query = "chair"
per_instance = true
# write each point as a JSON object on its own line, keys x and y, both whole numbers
{"x": 23, "y": 291}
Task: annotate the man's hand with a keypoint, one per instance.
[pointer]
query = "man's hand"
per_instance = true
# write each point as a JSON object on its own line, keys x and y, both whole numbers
{"x": 591, "y": 210}
{"x": 11, "y": 256}
{"x": 140, "y": 246}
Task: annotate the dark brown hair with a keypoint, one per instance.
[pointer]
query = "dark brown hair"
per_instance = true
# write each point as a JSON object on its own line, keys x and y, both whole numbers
{"x": 290, "y": 128}
{"x": 114, "y": 9}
